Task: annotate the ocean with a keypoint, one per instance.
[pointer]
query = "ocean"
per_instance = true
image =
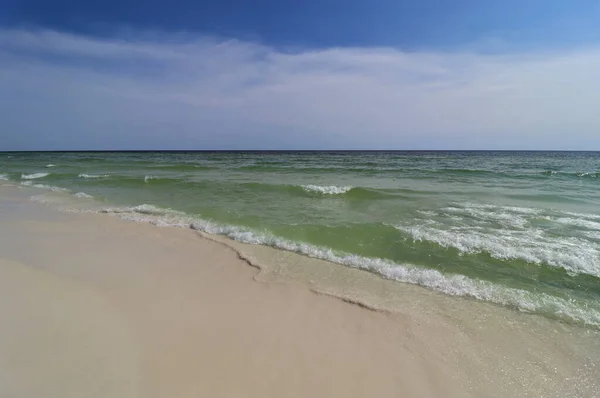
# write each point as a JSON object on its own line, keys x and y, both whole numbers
{"x": 515, "y": 229}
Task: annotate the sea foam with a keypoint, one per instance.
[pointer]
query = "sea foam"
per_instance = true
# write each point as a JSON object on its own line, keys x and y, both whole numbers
{"x": 327, "y": 190}
{"x": 44, "y": 186}
{"x": 83, "y": 175}
{"x": 34, "y": 176}
{"x": 507, "y": 233}
{"x": 82, "y": 195}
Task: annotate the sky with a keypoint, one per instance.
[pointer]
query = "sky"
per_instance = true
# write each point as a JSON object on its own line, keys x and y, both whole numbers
{"x": 282, "y": 74}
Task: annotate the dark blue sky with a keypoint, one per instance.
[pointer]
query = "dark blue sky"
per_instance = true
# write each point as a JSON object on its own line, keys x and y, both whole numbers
{"x": 410, "y": 25}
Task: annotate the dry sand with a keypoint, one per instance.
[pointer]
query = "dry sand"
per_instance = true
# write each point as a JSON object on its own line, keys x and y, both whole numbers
{"x": 92, "y": 306}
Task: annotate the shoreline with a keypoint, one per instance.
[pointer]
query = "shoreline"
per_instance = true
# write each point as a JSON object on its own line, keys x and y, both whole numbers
{"x": 193, "y": 319}
{"x": 248, "y": 243}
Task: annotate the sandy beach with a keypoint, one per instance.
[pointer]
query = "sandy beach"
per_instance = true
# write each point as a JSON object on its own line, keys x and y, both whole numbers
{"x": 94, "y": 306}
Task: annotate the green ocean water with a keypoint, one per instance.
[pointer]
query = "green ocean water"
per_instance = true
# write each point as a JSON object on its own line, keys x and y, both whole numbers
{"x": 519, "y": 229}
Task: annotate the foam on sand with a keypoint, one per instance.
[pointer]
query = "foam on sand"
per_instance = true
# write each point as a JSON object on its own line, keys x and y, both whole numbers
{"x": 83, "y": 195}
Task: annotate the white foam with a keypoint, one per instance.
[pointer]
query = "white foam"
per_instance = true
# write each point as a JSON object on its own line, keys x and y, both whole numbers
{"x": 34, "y": 176}
{"x": 531, "y": 245}
{"x": 327, "y": 190}
{"x": 586, "y": 216}
{"x": 150, "y": 177}
{"x": 579, "y": 222}
{"x": 514, "y": 217}
{"x": 83, "y": 175}
{"x": 591, "y": 174}
{"x": 50, "y": 165}
{"x": 4, "y": 177}
{"x": 82, "y": 195}
{"x": 456, "y": 285}
{"x": 44, "y": 186}
{"x": 509, "y": 232}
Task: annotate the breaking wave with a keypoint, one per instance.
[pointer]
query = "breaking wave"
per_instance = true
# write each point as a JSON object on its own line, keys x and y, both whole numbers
{"x": 34, "y": 176}
{"x": 452, "y": 284}
{"x": 92, "y": 176}
{"x": 327, "y": 190}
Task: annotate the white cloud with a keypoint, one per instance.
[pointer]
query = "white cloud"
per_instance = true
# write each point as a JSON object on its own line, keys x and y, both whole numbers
{"x": 178, "y": 91}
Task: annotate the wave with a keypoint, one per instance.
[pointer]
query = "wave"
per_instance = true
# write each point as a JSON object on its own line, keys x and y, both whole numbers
{"x": 327, "y": 190}
{"x": 83, "y": 195}
{"x": 50, "y": 165}
{"x": 569, "y": 310}
{"x": 580, "y": 174}
{"x": 338, "y": 191}
{"x": 510, "y": 233}
{"x": 44, "y": 186}
{"x": 4, "y": 177}
{"x": 590, "y": 174}
{"x": 90, "y": 176}
{"x": 292, "y": 168}
{"x": 33, "y": 176}
{"x": 183, "y": 167}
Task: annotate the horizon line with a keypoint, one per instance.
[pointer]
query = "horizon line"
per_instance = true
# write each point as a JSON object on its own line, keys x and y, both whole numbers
{"x": 285, "y": 150}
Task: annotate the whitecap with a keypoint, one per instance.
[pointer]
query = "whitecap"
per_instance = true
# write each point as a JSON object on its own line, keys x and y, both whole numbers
{"x": 531, "y": 245}
{"x": 427, "y": 213}
{"x": 83, "y": 175}
{"x": 34, "y": 176}
{"x": 50, "y": 165}
{"x": 327, "y": 190}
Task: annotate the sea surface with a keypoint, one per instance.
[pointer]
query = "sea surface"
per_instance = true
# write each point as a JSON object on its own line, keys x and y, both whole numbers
{"x": 517, "y": 229}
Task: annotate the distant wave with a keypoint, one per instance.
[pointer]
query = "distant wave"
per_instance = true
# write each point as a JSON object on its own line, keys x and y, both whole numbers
{"x": 451, "y": 284}
{"x": 50, "y": 165}
{"x": 327, "y": 190}
{"x": 590, "y": 174}
{"x": 333, "y": 191}
{"x": 34, "y": 176}
{"x": 90, "y": 176}
{"x": 182, "y": 167}
{"x": 587, "y": 174}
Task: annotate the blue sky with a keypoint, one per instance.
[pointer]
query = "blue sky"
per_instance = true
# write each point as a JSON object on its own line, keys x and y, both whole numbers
{"x": 307, "y": 74}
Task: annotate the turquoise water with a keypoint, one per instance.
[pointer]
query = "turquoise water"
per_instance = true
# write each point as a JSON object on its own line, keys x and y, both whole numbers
{"x": 517, "y": 229}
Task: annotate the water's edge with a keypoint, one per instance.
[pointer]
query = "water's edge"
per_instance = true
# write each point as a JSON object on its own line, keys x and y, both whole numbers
{"x": 366, "y": 288}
